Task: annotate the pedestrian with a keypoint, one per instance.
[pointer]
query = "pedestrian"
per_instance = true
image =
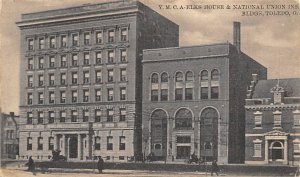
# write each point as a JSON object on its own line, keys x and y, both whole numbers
{"x": 31, "y": 165}
{"x": 100, "y": 164}
{"x": 214, "y": 168}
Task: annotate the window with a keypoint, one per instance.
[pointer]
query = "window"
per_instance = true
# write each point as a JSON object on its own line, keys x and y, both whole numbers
{"x": 74, "y": 115}
{"x": 277, "y": 119}
{"x": 110, "y": 77}
{"x": 41, "y": 62}
{"x": 40, "y": 143}
{"x": 86, "y": 59}
{"x": 97, "y": 143}
{"x": 74, "y": 77}
{"x": 183, "y": 119}
{"x": 154, "y": 78}
{"x": 189, "y": 76}
{"x": 63, "y": 41}
{"x": 124, "y": 34}
{"x": 98, "y": 77}
{"x": 41, "y": 43}
{"x": 75, "y": 39}
{"x": 258, "y": 119}
{"x": 63, "y": 61}
{"x": 204, "y": 75}
{"x": 86, "y": 77}
{"x": 30, "y": 63}
{"x": 110, "y": 94}
{"x": 122, "y": 93}
{"x": 122, "y": 143}
{"x": 51, "y": 79}
{"x": 109, "y": 143}
{"x": 30, "y": 44}
{"x": 29, "y": 118}
{"x": 296, "y": 147}
{"x": 51, "y": 97}
{"x": 40, "y": 117}
{"x": 189, "y": 93}
{"x": 63, "y": 78}
{"x": 214, "y": 92}
{"x": 204, "y": 93}
{"x": 51, "y": 62}
{"x": 98, "y": 115}
{"x": 52, "y": 42}
{"x": 74, "y": 60}
{"x": 86, "y": 95}
{"x": 178, "y": 93}
{"x": 296, "y": 118}
{"x": 62, "y": 116}
{"x": 98, "y": 57}
{"x": 51, "y": 143}
{"x": 62, "y": 96}
{"x": 122, "y": 114}
{"x": 41, "y": 80}
{"x": 123, "y": 57}
{"x": 51, "y": 117}
{"x": 86, "y": 115}
{"x": 99, "y": 37}
{"x": 111, "y": 56}
{"x": 29, "y": 143}
{"x": 74, "y": 96}
{"x": 179, "y": 77}
{"x": 183, "y": 139}
{"x": 154, "y": 95}
{"x": 41, "y": 98}
{"x": 164, "y": 94}
{"x": 164, "y": 77}
{"x": 215, "y": 74}
{"x": 123, "y": 74}
{"x": 111, "y": 36}
{"x": 30, "y": 81}
{"x": 98, "y": 94}
{"x": 87, "y": 38}
{"x": 257, "y": 149}
{"x": 29, "y": 98}
{"x": 110, "y": 115}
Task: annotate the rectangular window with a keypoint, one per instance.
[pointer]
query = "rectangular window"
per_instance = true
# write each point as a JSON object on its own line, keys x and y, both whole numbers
{"x": 30, "y": 44}
{"x": 111, "y": 36}
{"x": 74, "y": 60}
{"x": 86, "y": 59}
{"x": 277, "y": 120}
{"x": 97, "y": 143}
{"x": 258, "y": 120}
{"x": 204, "y": 93}
{"x": 40, "y": 117}
{"x": 51, "y": 143}
{"x": 29, "y": 98}
{"x": 87, "y": 38}
{"x": 30, "y": 63}
{"x": 41, "y": 98}
{"x": 178, "y": 94}
{"x": 74, "y": 77}
{"x": 86, "y": 115}
{"x": 74, "y": 116}
{"x": 123, "y": 57}
{"x": 62, "y": 96}
{"x": 62, "y": 116}
{"x": 123, "y": 74}
{"x": 63, "y": 78}
{"x": 98, "y": 115}
{"x": 51, "y": 62}
{"x": 30, "y": 81}
{"x": 189, "y": 93}
{"x": 86, "y": 94}
{"x": 154, "y": 95}
{"x": 110, "y": 77}
{"x": 52, "y": 42}
{"x": 124, "y": 34}
{"x": 86, "y": 77}
{"x": 122, "y": 114}
{"x": 74, "y": 96}
{"x": 98, "y": 77}
{"x": 51, "y": 79}
{"x": 164, "y": 94}
{"x": 41, "y": 62}
{"x": 63, "y": 61}
{"x": 63, "y": 41}
{"x": 297, "y": 120}
{"x": 75, "y": 39}
{"x": 41, "y": 80}
{"x": 41, "y": 43}
{"x": 257, "y": 150}
{"x": 122, "y": 142}
{"x": 51, "y": 97}
{"x": 296, "y": 148}
{"x": 40, "y": 143}
{"x": 29, "y": 118}
{"x": 109, "y": 143}
{"x": 110, "y": 115}
{"x": 110, "y": 94}
{"x": 99, "y": 37}
{"x": 183, "y": 139}
{"x": 214, "y": 92}
{"x": 29, "y": 143}
{"x": 98, "y": 94}
{"x": 98, "y": 57}
{"x": 111, "y": 56}
{"x": 51, "y": 117}
{"x": 122, "y": 93}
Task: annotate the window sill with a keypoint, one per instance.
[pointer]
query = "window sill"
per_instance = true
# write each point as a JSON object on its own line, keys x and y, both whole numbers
{"x": 258, "y": 128}
{"x": 257, "y": 156}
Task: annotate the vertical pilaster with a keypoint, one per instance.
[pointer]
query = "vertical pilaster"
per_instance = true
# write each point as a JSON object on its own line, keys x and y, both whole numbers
{"x": 266, "y": 151}
{"x": 79, "y": 147}
{"x": 285, "y": 158}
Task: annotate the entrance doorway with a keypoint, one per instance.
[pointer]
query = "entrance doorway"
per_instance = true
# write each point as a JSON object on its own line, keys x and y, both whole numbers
{"x": 73, "y": 147}
{"x": 183, "y": 152}
{"x": 276, "y": 151}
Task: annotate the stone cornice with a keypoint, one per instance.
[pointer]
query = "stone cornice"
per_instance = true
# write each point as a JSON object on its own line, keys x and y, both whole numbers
{"x": 272, "y": 107}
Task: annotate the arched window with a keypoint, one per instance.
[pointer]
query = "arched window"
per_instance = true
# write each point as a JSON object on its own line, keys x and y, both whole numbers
{"x": 154, "y": 78}
{"x": 204, "y": 75}
{"x": 189, "y": 76}
{"x": 183, "y": 119}
{"x": 215, "y": 74}
{"x": 159, "y": 133}
{"x": 164, "y": 77}
{"x": 179, "y": 77}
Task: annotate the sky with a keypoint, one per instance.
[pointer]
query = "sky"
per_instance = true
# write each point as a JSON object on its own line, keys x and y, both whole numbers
{"x": 273, "y": 41}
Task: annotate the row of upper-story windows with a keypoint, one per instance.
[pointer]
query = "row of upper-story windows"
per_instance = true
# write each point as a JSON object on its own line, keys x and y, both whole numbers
{"x": 73, "y": 60}
{"x": 112, "y": 115}
{"x": 86, "y": 97}
{"x": 277, "y": 119}
{"x": 77, "y": 39}
{"x": 184, "y": 85}
{"x": 86, "y": 78}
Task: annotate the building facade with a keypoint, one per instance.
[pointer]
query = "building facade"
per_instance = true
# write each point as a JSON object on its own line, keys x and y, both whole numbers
{"x": 9, "y": 136}
{"x": 81, "y": 78}
{"x": 273, "y": 122}
{"x": 194, "y": 101}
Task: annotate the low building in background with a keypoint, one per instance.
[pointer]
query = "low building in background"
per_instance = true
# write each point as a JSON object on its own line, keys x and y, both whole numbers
{"x": 273, "y": 122}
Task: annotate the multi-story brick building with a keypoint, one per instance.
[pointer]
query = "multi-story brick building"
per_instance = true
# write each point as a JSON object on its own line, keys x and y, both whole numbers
{"x": 81, "y": 78}
{"x": 273, "y": 122}
{"x": 194, "y": 100}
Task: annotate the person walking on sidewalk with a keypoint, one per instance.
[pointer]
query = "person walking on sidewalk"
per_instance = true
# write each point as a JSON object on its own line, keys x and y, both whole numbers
{"x": 31, "y": 165}
{"x": 100, "y": 164}
{"x": 214, "y": 168}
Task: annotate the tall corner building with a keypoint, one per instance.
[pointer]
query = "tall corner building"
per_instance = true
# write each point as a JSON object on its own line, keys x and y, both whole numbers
{"x": 81, "y": 78}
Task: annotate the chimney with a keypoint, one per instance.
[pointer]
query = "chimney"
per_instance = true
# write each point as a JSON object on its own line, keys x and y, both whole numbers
{"x": 237, "y": 35}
